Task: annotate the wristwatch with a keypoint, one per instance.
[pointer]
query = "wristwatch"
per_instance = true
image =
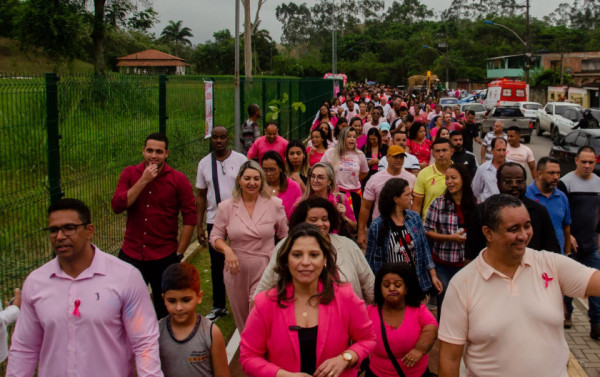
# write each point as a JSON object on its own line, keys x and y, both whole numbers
{"x": 347, "y": 356}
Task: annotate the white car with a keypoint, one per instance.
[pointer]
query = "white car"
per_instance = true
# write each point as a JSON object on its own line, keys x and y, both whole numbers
{"x": 558, "y": 118}
{"x": 530, "y": 109}
{"x": 478, "y": 108}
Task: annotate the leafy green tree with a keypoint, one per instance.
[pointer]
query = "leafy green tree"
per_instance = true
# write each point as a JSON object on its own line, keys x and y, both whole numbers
{"x": 9, "y": 11}
{"x": 176, "y": 34}
{"x": 54, "y": 25}
{"x": 296, "y": 22}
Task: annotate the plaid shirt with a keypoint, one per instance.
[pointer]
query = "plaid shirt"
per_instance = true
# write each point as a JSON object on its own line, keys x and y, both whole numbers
{"x": 443, "y": 219}
{"x": 377, "y": 253}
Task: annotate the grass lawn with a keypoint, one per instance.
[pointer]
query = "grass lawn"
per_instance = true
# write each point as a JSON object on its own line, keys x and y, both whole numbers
{"x": 201, "y": 260}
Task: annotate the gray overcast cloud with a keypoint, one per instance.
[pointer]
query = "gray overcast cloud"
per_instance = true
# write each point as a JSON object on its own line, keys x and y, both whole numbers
{"x": 205, "y": 17}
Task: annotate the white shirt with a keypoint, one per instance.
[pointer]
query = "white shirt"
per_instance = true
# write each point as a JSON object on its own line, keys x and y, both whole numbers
{"x": 7, "y": 316}
{"x": 227, "y": 171}
{"x": 485, "y": 183}
{"x": 410, "y": 163}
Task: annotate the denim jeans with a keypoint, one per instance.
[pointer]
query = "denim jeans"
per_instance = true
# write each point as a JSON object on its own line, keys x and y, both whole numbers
{"x": 444, "y": 273}
{"x": 590, "y": 258}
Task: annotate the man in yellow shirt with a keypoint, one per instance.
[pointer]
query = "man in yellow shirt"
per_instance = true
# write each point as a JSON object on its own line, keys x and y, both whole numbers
{"x": 431, "y": 181}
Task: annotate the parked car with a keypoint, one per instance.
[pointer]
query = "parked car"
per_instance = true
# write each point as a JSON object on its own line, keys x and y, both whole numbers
{"x": 530, "y": 109}
{"x": 558, "y": 118}
{"x": 448, "y": 101}
{"x": 478, "y": 108}
{"x": 565, "y": 149}
{"x": 473, "y": 98}
{"x": 510, "y": 116}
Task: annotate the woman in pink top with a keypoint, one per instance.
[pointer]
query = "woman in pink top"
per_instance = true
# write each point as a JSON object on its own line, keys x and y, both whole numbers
{"x": 280, "y": 185}
{"x": 315, "y": 152}
{"x": 437, "y": 125}
{"x": 296, "y": 163}
{"x": 310, "y": 324}
{"x": 324, "y": 117}
{"x": 361, "y": 139}
{"x": 418, "y": 145}
{"x": 350, "y": 166}
{"x": 401, "y": 321}
{"x": 251, "y": 220}
{"x": 321, "y": 183}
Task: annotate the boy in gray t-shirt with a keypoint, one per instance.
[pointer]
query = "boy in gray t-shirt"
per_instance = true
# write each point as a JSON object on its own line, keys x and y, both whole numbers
{"x": 190, "y": 345}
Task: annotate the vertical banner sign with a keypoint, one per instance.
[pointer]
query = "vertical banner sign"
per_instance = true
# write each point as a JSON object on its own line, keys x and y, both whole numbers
{"x": 208, "y": 108}
{"x": 336, "y": 88}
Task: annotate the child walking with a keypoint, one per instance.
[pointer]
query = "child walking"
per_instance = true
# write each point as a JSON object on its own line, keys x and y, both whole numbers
{"x": 190, "y": 345}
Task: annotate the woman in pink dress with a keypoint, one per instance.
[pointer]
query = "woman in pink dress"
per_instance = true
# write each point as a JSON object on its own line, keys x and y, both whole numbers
{"x": 280, "y": 185}
{"x": 251, "y": 220}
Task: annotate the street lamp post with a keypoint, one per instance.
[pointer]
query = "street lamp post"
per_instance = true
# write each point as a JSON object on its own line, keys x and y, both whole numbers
{"x": 527, "y": 54}
{"x": 445, "y": 61}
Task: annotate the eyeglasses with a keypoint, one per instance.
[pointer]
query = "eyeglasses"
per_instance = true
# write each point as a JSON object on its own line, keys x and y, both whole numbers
{"x": 509, "y": 181}
{"x": 317, "y": 178}
{"x": 67, "y": 230}
{"x": 270, "y": 170}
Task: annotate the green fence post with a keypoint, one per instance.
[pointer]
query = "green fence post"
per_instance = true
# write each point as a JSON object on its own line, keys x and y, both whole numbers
{"x": 264, "y": 100}
{"x": 291, "y": 129}
{"x": 162, "y": 104}
{"x": 53, "y": 137}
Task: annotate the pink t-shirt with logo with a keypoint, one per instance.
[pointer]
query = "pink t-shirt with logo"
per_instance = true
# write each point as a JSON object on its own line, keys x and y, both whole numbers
{"x": 348, "y": 168}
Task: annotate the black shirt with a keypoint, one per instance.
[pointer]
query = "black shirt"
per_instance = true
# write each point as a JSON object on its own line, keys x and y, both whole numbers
{"x": 466, "y": 158}
{"x": 307, "y": 336}
{"x": 544, "y": 237}
{"x": 470, "y": 132}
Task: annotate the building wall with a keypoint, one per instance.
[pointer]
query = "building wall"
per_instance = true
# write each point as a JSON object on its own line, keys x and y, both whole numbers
{"x": 571, "y": 60}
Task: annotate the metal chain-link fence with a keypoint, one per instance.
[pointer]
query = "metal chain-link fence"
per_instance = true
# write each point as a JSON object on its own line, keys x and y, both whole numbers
{"x": 71, "y": 136}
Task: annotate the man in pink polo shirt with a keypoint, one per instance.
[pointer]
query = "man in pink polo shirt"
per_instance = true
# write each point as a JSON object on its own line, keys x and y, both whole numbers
{"x": 270, "y": 142}
{"x": 395, "y": 157}
{"x": 504, "y": 310}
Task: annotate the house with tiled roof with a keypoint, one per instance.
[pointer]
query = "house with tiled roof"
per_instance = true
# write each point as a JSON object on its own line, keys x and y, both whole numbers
{"x": 152, "y": 62}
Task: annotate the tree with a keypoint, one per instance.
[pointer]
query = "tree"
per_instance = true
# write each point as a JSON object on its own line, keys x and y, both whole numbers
{"x": 54, "y": 25}
{"x": 408, "y": 12}
{"x": 142, "y": 20}
{"x": 176, "y": 34}
{"x": 248, "y": 30}
{"x": 296, "y": 22}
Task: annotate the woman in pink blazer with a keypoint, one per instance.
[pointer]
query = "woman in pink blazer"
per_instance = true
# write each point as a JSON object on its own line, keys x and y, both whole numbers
{"x": 251, "y": 220}
{"x": 311, "y": 324}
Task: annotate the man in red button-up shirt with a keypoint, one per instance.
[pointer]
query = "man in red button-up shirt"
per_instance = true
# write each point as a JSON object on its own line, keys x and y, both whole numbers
{"x": 154, "y": 194}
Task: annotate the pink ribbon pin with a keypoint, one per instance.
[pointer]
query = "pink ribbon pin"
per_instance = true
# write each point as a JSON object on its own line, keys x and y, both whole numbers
{"x": 76, "y": 310}
{"x": 547, "y": 279}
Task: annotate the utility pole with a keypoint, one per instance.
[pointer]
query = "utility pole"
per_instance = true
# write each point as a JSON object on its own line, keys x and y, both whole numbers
{"x": 527, "y": 54}
{"x": 236, "y": 80}
{"x": 333, "y": 47}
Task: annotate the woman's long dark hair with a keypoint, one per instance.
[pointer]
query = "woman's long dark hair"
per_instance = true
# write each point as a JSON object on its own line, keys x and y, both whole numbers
{"x": 368, "y": 149}
{"x": 414, "y": 130}
{"x": 272, "y": 155}
{"x": 328, "y": 276}
{"x": 304, "y": 167}
{"x": 393, "y": 188}
{"x": 336, "y": 129}
{"x": 468, "y": 203}
{"x": 323, "y": 136}
{"x": 414, "y": 295}
{"x": 301, "y": 212}
{"x": 329, "y": 136}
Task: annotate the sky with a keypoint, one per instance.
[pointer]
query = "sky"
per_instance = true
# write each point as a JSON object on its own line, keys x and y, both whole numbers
{"x": 205, "y": 17}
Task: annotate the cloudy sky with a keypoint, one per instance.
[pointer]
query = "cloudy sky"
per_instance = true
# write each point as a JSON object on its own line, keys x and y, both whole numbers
{"x": 205, "y": 17}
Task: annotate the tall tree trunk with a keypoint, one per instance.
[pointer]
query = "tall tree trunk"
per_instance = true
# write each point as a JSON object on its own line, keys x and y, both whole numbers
{"x": 247, "y": 41}
{"x": 98, "y": 37}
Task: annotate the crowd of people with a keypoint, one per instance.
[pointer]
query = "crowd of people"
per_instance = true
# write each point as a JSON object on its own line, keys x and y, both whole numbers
{"x": 337, "y": 254}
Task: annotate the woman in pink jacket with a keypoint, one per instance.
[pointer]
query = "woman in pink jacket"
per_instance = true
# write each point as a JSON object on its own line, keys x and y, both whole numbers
{"x": 251, "y": 220}
{"x": 310, "y": 324}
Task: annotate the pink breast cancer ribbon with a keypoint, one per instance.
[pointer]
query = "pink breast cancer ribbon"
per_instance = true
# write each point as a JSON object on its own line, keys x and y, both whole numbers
{"x": 547, "y": 279}
{"x": 76, "y": 310}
